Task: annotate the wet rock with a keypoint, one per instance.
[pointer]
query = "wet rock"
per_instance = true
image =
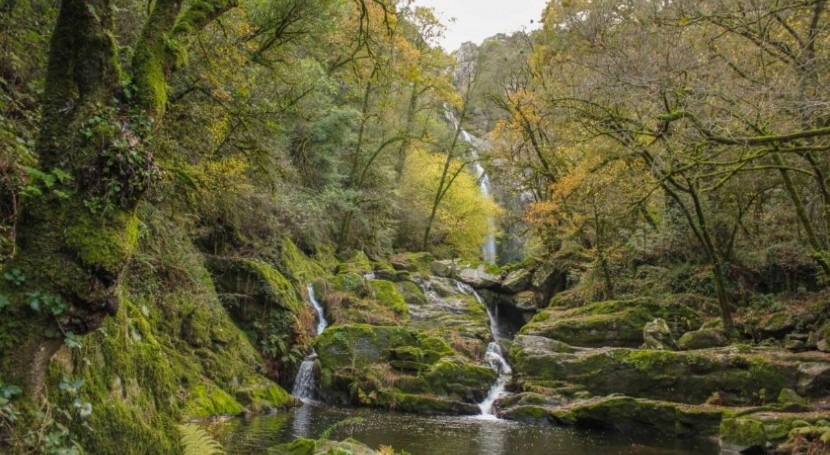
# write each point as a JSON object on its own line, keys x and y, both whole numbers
{"x": 689, "y": 377}
{"x": 626, "y": 414}
{"x": 517, "y": 281}
{"x": 479, "y": 278}
{"x": 447, "y": 268}
{"x": 412, "y": 262}
{"x": 657, "y": 335}
{"x": 790, "y": 396}
{"x": 609, "y": 323}
{"x": 528, "y": 301}
{"x": 742, "y": 435}
{"x": 702, "y": 339}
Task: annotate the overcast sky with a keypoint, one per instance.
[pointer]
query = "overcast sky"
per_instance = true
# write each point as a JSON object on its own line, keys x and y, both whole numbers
{"x": 479, "y": 19}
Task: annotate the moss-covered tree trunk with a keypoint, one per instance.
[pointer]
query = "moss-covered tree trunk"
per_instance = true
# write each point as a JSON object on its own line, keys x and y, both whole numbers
{"x": 77, "y": 238}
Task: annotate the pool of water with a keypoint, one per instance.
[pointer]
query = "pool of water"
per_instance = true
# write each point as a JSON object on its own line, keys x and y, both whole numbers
{"x": 429, "y": 435}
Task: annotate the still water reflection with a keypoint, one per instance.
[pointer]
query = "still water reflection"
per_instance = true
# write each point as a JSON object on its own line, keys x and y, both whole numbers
{"x": 422, "y": 435}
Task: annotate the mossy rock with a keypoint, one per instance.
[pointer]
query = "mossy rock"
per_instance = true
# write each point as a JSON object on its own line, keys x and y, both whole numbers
{"x": 359, "y": 264}
{"x": 207, "y": 400}
{"x": 412, "y": 262}
{"x": 689, "y": 377}
{"x": 259, "y": 281}
{"x": 412, "y": 294}
{"x": 426, "y": 404}
{"x": 300, "y": 267}
{"x": 349, "y": 282}
{"x": 633, "y": 415}
{"x": 611, "y": 323}
{"x": 357, "y": 345}
{"x": 740, "y": 435}
{"x": 387, "y": 295}
{"x": 702, "y": 339}
{"x": 261, "y": 396}
{"x": 104, "y": 242}
{"x": 457, "y": 377}
{"x": 172, "y": 352}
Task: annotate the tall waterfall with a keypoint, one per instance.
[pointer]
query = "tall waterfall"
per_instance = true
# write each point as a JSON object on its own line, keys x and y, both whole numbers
{"x": 304, "y": 383}
{"x": 488, "y": 250}
{"x": 494, "y": 357}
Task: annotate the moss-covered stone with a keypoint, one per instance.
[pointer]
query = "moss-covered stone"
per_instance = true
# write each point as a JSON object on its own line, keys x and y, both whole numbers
{"x": 300, "y": 267}
{"x": 610, "y": 323}
{"x": 740, "y": 435}
{"x": 171, "y": 353}
{"x": 412, "y": 262}
{"x": 357, "y": 345}
{"x": 359, "y": 264}
{"x": 387, "y": 295}
{"x": 702, "y": 339}
{"x": 626, "y": 414}
{"x": 104, "y": 242}
{"x": 689, "y": 377}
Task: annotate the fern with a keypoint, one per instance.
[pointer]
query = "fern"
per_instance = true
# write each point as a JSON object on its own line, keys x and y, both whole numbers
{"x": 197, "y": 441}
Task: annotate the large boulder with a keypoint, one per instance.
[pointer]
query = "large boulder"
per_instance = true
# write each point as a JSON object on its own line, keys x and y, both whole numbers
{"x": 610, "y": 323}
{"x": 702, "y": 339}
{"x": 399, "y": 368}
{"x": 748, "y": 377}
{"x": 479, "y": 277}
{"x": 517, "y": 281}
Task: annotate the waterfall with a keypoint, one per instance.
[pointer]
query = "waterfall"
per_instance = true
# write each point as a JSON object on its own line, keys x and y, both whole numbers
{"x": 321, "y": 316}
{"x": 304, "y": 383}
{"x": 488, "y": 250}
{"x": 494, "y": 357}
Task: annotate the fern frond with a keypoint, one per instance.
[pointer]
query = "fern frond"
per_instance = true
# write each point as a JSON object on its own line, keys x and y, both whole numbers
{"x": 197, "y": 441}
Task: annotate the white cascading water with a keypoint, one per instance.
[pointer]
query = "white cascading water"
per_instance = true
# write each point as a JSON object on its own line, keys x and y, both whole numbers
{"x": 494, "y": 357}
{"x": 304, "y": 383}
{"x": 488, "y": 250}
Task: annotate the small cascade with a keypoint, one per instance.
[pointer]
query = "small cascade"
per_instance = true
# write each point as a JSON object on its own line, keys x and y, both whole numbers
{"x": 304, "y": 383}
{"x": 488, "y": 250}
{"x": 321, "y": 315}
{"x": 494, "y": 357}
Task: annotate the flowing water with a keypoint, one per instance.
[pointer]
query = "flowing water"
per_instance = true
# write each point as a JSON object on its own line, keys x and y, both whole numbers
{"x": 305, "y": 383}
{"x": 437, "y": 435}
{"x": 488, "y": 250}
{"x": 493, "y": 356}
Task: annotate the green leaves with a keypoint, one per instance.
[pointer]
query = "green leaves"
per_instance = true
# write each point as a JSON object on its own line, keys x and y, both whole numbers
{"x": 39, "y": 302}
{"x": 15, "y": 276}
{"x": 72, "y": 341}
{"x": 43, "y": 183}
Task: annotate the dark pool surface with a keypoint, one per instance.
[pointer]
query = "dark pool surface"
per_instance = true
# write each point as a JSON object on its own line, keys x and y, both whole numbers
{"x": 423, "y": 435}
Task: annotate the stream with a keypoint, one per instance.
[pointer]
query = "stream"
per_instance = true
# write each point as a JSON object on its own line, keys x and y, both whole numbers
{"x": 438, "y": 435}
{"x": 484, "y": 434}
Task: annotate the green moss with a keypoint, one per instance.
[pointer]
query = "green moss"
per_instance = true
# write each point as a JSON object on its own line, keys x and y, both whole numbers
{"x": 608, "y": 323}
{"x": 299, "y": 266}
{"x": 104, "y": 242}
{"x": 412, "y": 262}
{"x": 264, "y": 395}
{"x": 743, "y": 434}
{"x": 387, "y": 295}
{"x": 412, "y": 294}
{"x": 207, "y": 400}
{"x": 348, "y": 282}
{"x": 358, "y": 264}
